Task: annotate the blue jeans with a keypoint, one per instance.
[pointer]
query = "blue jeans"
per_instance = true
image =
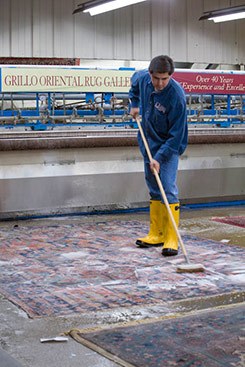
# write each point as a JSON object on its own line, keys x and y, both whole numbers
{"x": 168, "y": 177}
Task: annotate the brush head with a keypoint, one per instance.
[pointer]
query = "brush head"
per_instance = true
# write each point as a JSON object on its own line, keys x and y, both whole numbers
{"x": 190, "y": 268}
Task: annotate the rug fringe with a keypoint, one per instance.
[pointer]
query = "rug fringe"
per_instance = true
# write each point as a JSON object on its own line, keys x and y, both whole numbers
{"x": 74, "y": 333}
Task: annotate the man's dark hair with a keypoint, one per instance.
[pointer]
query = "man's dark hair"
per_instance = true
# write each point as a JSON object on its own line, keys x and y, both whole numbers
{"x": 161, "y": 64}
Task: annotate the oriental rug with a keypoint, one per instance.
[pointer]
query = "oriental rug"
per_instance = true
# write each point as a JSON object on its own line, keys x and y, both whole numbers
{"x": 235, "y": 221}
{"x": 65, "y": 269}
{"x": 210, "y": 339}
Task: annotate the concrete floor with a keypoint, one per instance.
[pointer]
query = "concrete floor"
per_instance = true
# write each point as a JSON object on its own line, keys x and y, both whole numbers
{"x": 20, "y": 335}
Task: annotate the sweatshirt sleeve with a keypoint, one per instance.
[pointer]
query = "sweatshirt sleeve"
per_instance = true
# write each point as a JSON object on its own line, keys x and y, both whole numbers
{"x": 177, "y": 131}
{"x": 134, "y": 92}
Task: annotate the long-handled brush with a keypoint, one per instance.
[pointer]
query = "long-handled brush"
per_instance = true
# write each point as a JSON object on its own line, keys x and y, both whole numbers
{"x": 184, "y": 268}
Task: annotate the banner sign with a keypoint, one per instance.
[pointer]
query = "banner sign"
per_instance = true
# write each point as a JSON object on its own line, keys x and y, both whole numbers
{"x": 58, "y": 79}
{"x": 24, "y": 79}
{"x": 211, "y": 83}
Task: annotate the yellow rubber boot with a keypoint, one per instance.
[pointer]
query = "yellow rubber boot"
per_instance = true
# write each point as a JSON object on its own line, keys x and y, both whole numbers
{"x": 170, "y": 247}
{"x": 155, "y": 236}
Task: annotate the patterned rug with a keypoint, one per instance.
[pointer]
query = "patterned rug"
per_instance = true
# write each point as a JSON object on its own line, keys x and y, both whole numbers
{"x": 84, "y": 267}
{"x": 213, "y": 339}
{"x": 235, "y": 221}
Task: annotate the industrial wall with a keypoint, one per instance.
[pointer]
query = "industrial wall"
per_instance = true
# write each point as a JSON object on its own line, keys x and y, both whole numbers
{"x": 47, "y": 28}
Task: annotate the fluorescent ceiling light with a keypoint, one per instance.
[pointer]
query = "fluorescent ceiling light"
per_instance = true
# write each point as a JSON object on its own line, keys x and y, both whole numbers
{"x": 95, "y": 7}
{"x": 226, "y": 18}
{"x": 224, "y": 15}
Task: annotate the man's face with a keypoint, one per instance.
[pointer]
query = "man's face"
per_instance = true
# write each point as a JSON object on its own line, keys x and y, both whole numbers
{"x": 160, "y": 80}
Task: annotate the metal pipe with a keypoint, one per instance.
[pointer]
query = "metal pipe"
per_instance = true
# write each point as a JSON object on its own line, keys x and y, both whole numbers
{"x": 205, "y": 117}
{"x": 98, "y": 118}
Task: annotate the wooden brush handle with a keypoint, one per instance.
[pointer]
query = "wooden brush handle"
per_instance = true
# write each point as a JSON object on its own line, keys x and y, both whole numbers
{"x": 162, "y": 190}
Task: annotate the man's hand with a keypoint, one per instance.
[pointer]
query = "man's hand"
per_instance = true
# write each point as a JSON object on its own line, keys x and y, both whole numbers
{"x": 155, "y": 165}
{"x": 134, "y": 111}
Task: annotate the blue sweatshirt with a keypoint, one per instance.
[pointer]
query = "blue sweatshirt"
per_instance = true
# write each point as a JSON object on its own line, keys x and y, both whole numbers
{"x": 164, "y": 117}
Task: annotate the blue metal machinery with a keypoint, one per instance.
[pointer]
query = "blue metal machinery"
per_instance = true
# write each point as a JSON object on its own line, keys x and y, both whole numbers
{"x": 43, "y": 108}
{"x": 44, "y": 111}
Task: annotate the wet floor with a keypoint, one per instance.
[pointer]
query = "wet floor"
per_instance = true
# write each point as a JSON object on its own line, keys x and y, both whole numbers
{"x": 20, "y": 334}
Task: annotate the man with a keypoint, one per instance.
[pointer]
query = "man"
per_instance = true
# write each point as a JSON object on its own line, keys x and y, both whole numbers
{"x": 164, "y": 122}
